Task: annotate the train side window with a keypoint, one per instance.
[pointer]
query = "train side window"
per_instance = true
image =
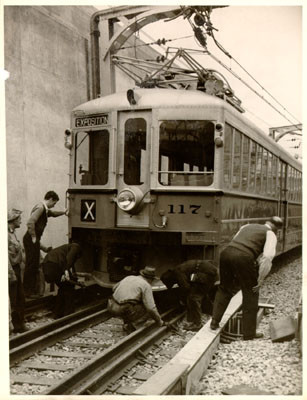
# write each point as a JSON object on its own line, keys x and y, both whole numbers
{"x": 236, "y": 176}
{"x": 282, "y": 180}
{"x": 92, "y": 158}
{"x": 252, "y": 174}
{"x": 269, "y": 173}
{"x": 274, "y": 176}
{"x": 264, "y": 173}
{"x": 227, "y": 156}
{"x": 291, "y": 182}
{"x": 299, "y": 186}
{"x": 186, "y": 153}
{"x": 135, "y": 154}
{"x": 295, "y": 185}
{"x": 245, "y": 162}
{"x": 258, "y": 168}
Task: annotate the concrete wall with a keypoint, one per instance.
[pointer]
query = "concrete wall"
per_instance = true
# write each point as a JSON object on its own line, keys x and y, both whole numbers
{"x": 46, "y": 51}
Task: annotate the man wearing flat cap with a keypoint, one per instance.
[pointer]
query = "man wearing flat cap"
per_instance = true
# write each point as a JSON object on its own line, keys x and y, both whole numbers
{"x": 133, "y": 299}
{"x": 16, "y": 293}
{"x": 244, "y": 264}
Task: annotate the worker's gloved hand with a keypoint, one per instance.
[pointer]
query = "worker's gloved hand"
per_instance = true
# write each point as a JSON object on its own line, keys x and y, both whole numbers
{"x": 65, "y": 277}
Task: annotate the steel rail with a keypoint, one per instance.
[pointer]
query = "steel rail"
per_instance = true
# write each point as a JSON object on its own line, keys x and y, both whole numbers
{"x": 34, "y": 304}
{"x": 94, "y": 375}
{"x": 51, "y": 333}
{"x": 28, "y": 336}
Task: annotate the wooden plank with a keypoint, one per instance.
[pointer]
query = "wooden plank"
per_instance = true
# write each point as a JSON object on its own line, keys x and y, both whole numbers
{"x": 266, "y": 305}
{"x": 87, "y": 345}
{"x": 162, "y": 381}
{"x": 66, "y": 354}
{"x": 47, "y": 366}
{"x": 33, "y": 380}
{"x": 90, "y": 335}
{"x": 193, "y": 358}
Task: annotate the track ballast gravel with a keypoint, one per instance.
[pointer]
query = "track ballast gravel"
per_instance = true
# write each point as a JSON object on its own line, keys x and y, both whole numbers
{"x": 261, "y": 364}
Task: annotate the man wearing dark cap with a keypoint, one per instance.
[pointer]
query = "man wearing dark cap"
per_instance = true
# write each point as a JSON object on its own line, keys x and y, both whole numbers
{"x": 133, "y": 300}
{"x": 239, "y": 270}
{"x": 16, "y": 294}
{"x": 59, "y": 268}
{"x": 196, "y": 279}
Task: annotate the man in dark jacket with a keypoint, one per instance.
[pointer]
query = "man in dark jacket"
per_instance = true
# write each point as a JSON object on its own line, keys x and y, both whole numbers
{"x": 196, "y": 279}
{"x": 59, "y": 268}
{"x": 35, "y": 228}
{"x": 239, "y": 270}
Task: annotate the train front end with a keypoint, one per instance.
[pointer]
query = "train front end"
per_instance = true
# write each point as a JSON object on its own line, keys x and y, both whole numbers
{"x": 144, "y": 179}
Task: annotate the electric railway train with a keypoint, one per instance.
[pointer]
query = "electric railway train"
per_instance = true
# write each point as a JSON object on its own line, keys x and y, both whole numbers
{"x": 160, "y": 176}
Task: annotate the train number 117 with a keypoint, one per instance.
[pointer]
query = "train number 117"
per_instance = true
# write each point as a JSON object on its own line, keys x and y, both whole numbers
{"x": 183, "y": 209}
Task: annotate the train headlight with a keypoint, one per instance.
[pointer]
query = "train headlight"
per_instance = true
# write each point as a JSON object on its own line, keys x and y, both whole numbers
{"x": 129, "y": 200}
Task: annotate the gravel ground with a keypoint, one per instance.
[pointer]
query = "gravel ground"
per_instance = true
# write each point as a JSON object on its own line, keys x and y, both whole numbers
{"x": 262, "y": 364}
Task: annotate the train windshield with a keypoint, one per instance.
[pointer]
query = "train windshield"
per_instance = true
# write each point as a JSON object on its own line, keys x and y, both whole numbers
{"x": 92, "y": 158}
{"x": 186, "y": 153}
{"x": 135, "y": 151}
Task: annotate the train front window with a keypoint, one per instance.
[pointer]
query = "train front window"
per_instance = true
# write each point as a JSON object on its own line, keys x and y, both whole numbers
{"x": 92, "y": 158}
{"x": 186, "y": 153}
{"x": 135, "y": 155}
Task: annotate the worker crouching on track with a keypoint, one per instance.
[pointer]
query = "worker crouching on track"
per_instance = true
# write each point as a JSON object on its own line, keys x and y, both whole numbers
{"x": 59, "y": 268}
{"x": 239, "y": 270}
{"x": 133, "y": 300}
{"x": 196, "y": 280}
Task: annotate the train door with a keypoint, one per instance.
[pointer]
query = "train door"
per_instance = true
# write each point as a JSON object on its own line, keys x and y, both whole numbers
{"x": 133, "y": 178}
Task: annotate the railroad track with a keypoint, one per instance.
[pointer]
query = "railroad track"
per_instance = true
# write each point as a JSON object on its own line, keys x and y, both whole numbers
{"x": 25, "y": 344}
{"x": 57, "y": 357}
{"x": 101, "y": 359}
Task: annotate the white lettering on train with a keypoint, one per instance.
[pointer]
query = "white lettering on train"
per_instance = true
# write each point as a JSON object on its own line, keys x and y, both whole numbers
{"x": 91, "y": 121}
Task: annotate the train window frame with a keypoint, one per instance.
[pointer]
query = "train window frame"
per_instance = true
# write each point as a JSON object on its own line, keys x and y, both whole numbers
{"x": 184, "y": 168}
{"x": 88, "y": 178}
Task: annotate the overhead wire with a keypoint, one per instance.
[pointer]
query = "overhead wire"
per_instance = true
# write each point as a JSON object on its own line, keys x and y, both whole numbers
{"x": 202, "y": 41}
{"x": 254, "y": 79}
{"x": 157, "y": 42}
{"x": 247, "y": 85}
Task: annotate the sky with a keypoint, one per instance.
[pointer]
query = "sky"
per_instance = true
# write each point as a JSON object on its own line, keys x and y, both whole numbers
{"x": 267, "y": 42}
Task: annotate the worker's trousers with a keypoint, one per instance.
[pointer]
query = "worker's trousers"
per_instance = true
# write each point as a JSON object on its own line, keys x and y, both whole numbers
{"x": 238, "y": 270}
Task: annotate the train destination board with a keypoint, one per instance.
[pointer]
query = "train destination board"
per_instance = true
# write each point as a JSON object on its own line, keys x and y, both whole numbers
{"x": 94, "y": 120}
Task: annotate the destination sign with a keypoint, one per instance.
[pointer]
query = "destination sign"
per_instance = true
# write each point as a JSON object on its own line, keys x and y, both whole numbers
{"x": 95, "y": 120}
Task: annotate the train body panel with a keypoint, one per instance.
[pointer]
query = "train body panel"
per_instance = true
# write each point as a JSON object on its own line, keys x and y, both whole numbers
{"x": 172, "y": 176}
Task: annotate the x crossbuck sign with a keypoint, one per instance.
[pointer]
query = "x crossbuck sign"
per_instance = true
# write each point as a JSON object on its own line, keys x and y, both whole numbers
{"x": 88, "y": 210}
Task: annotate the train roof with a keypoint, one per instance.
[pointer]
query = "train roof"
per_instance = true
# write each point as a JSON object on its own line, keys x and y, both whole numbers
{"x": 152, "y": 99}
